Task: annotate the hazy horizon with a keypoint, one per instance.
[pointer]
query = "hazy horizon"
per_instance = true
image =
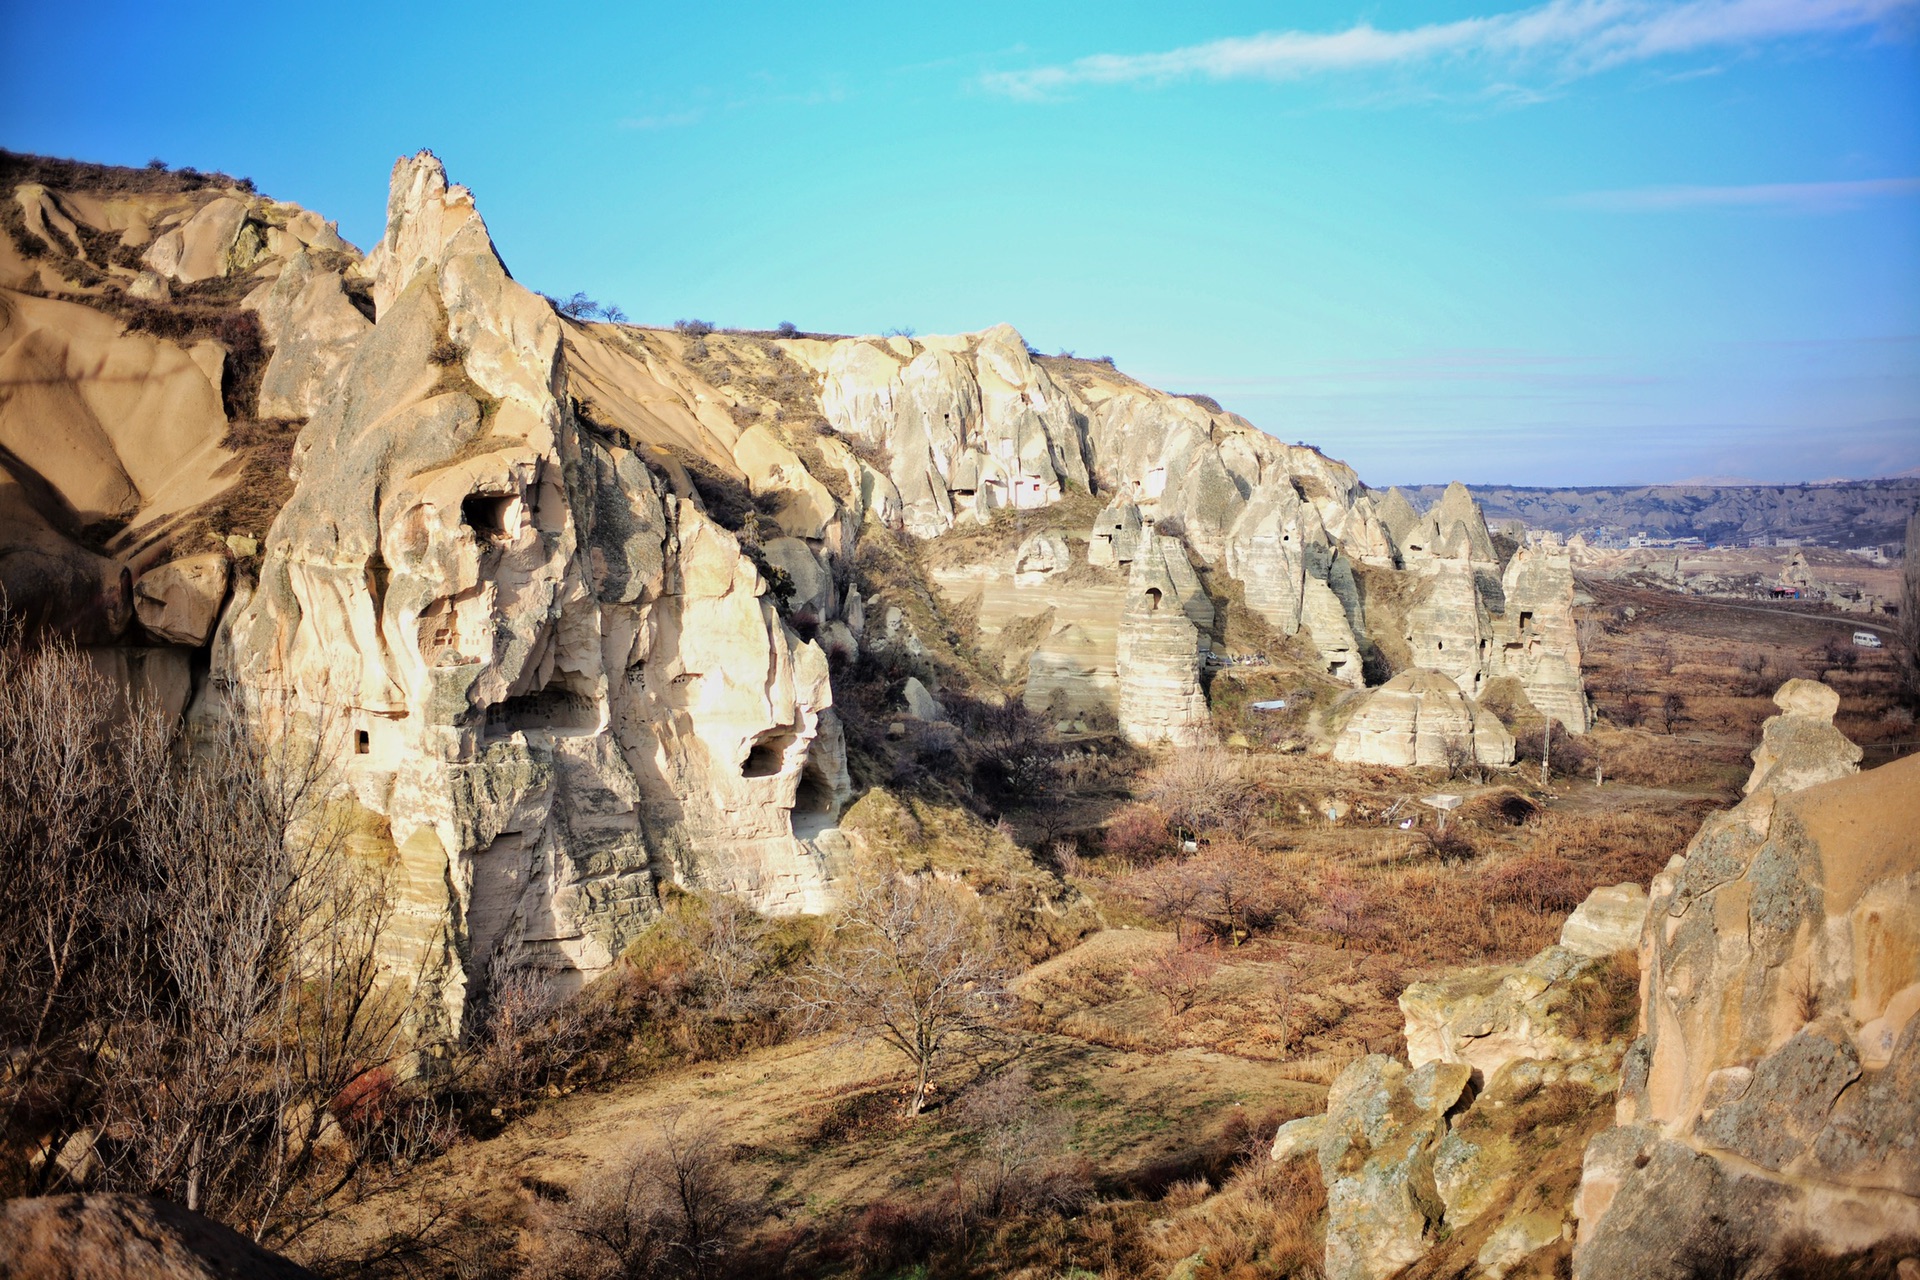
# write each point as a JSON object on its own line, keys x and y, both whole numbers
{"x": 1584, "y": 242}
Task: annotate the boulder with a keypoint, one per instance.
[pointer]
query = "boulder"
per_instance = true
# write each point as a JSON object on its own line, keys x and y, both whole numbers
{"x": 919, "y": 703}
{"x": 1608, "y": 921}
{"x": 201, "y": 249}
{"x": 1418, "y": 718}
{"x": 1376, "y": 1146}
{"x": 179, "y": 601}
{"x": 1039, "y": 558}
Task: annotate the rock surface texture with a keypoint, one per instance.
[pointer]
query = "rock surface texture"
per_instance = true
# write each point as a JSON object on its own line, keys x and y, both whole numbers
{"x": 1774, "y": 1092}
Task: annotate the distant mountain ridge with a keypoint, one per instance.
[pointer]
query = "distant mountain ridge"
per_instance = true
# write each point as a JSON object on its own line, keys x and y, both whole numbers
{"x": 1849, "y": 513}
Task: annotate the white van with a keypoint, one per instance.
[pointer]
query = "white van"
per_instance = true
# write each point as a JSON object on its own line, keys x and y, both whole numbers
{"x": 1865, "y": 640}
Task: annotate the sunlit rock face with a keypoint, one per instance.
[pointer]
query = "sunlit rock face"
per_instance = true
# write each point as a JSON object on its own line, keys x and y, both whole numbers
{"x": 1162, "y": 646}
{"x": 556, "y": 681}
{"x": 1422, "y": 718}
{"x": 1774, "y": 1091}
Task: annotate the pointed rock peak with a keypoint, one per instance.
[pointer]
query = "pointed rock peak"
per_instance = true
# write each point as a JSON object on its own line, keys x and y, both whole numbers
{"x": 1457, "y": 507}
{"x": 1397, "y": 514}
{"x": 429, "y": 221}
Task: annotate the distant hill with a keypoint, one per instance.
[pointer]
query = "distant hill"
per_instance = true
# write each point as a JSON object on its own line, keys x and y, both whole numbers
{"x": 1848, "y": 514}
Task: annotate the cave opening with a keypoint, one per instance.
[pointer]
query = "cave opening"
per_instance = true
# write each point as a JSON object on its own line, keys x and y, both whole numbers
{"x": 486, "y": 513}
{"x": 768, "y": 755}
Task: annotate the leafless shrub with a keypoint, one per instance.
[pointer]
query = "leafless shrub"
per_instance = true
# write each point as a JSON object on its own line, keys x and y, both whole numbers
{"x": 1179, "y": 974}
{"x": 1202, "y": 789}
{"x": 71, "y": 771}
{"x": 673, "y": 1208}
{"x": 1458, "y": 759}
{"x": 910, "y": 963}
{"x": 1018, "y": 1165}
{"x": 1228, "y": 888}
{"x": 195, "y": 979}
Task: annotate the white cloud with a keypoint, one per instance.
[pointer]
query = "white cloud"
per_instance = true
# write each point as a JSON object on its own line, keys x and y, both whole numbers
{"x": 669, "y": 120}
{"x": 1572, "y": 37}
{"x": 1802, "y": 197}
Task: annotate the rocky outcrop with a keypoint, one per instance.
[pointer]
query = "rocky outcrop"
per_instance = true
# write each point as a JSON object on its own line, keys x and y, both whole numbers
{"x": 1774, "y": 1092}
{"x": 1535, "y": 639}
{"x": 558, "y": 680}
{"x": 122, "y": 1237}
{"x": 1376, "y": 1145}
{"x": 1490, "y": 1016}
{"x": 1476, "y": 623}
{"x": 1800, "y": 748}
{"x": 1421, "y": 718}
{"x": 1162, "y": 647}
{"x": 1444, "y": 1155}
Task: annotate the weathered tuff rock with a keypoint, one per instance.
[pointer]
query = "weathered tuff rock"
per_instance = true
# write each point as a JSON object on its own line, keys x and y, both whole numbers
{"x": 1775, "y": 1087}
{"x": 1444, "y": 1153}
{"x": 1608, "y": 922}
{"x": 560, "y": 680}
{"x": 1376, "y": 1145}
{"x": 179, "y": 601}
{"x": 1163, "y": 643}
{"x": 1494, "y": 1015}
{"x": 1476, "y": 624}
{"x": 1417, "y": 718}
{"x": 1800, "y": 748}
{"x": 122, "y": 1237}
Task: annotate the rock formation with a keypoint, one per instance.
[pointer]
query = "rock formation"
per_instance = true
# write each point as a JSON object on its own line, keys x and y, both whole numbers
{"x": 1774, "y": 1091}
{"x": 1421, "y": 718}
{"x": 1162, "y": 646}
{"x": 1439, "y": 1153}
{"x": 561, "y": 679}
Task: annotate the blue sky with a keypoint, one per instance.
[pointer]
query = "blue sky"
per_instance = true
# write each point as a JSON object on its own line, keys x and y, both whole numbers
{"x": 1579, "y": 242}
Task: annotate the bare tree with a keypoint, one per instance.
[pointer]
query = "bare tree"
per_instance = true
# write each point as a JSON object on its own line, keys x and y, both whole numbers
{"x": 269, "y": 1007}
{"x": 74, "y": 758}
{"x": 1229, "y": 888}
{"x": 1909, "y": 629}
{"x": 192, "y": 980}
{"x": 908, "y": 962}
{"x": 1673, "y": 709}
